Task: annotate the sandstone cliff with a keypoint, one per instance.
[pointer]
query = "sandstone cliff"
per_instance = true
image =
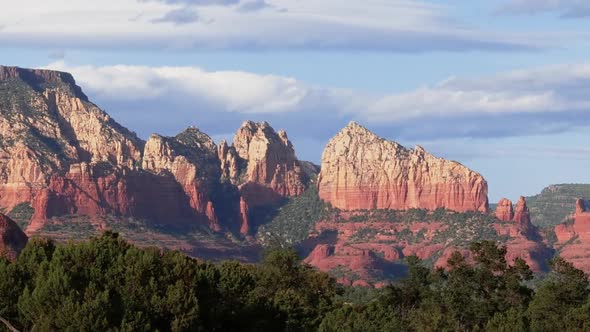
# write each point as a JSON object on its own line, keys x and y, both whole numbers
{"x": 191, "y": 159}
{"x": 574, "y": 239}
{"x": 12, "y": 238}
{"x": 51, "y": 134}
{"x": 505, "y": 210}
{"x": 363, "y": 171}
{"x": 263, "y": 165}
{"x": 61, "y": 155}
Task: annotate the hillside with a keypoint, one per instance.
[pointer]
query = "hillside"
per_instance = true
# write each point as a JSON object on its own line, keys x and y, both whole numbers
{"x": 556, "y": 203}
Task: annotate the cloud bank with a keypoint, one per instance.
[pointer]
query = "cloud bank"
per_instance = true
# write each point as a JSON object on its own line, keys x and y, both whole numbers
{"x": 527, "y": 102}
{"x": 392, "y": 26}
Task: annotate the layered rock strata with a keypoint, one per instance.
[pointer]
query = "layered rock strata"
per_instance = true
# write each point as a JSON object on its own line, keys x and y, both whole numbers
{"x": 573, "y": 239}
{"x": 363, "y": 171}
{"x": 263, "y": 165}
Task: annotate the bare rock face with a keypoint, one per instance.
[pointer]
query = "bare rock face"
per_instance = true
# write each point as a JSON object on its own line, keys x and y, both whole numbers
{"x": 12, "y": 238}
{"x": 363, "y": 171}
{"x": 191, "y": 159}
{"x": 505, "y": 210}
{"x": 522, "y": 214}
{"x": 47, "y": 128}
{"x": 62, "y": 155}
{"x": 262, "y": 163}
{"x": 261, "y": 157}
{"x": 575, "y": 238}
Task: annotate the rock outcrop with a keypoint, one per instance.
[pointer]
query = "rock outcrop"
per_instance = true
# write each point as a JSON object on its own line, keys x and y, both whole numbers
{"x": 61, "y": 155}
{"x": 371, "y": 244}
{"x": 191, "y": 159}
{"x": 51, "y": 135}
{"x": 363, "y": 171}
{"x": 12, "y": 238}
{"x": 574, "y": 239}
{"x": 262, "y": 163}
{"x": 505, "y": 210}
{"x": 521, "y": 213}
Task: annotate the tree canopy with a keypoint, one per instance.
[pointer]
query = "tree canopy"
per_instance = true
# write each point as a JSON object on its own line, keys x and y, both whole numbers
{"x": 106, "y": 284}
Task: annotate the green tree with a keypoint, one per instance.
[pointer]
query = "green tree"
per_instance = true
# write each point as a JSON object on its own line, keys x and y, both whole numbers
{"x": 561, "y": 293}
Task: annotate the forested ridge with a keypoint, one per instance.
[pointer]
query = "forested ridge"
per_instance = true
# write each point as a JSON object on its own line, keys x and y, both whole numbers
{"x": 106, "y": 284}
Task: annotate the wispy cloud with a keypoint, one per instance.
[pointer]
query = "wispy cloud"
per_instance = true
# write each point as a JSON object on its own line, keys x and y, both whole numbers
{"x": 179, "y": 16}
{"x": 253, "y": 5}
{"x": 196, "y": 2}
{"x": 535, "y": 101}
{"x": 389, "y": 26}
{"x": 565, "y": 8}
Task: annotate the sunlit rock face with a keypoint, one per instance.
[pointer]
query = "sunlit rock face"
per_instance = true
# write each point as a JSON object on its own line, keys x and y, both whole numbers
{"x": 575, "y": 238}
{"x": 363, "y": 171}
{"x": 262, "y": 163}
{"x": 191, "y": 159}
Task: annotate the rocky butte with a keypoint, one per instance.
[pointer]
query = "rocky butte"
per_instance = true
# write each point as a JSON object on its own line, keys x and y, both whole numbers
{"x": 263, "y": 165}
{"x": 392, "y": 202}
{"x": 574, "y": 238}
{"x": 61, "y": 155}
{"x": 363, "y": 171}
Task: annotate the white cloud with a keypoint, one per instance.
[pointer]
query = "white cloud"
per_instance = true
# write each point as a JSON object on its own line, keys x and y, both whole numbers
{"x": 394, "y": 25}
{"x": 178, "y": 16}
{"x": 548, "y": 99}
{"x": 230, "y": 91}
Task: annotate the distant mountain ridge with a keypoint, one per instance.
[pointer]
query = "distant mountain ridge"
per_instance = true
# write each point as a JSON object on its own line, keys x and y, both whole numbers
{"x": 62, "y": 155}
{"x": 556, "y": 203}
{"x": 69, "y": 171}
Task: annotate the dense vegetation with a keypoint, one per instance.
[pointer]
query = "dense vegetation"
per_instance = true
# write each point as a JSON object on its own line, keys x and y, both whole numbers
{"x": 292, "y": 222}
{"x": 106, "y": 284}
{"x": 22, "y": 214}
{"x": 555, "y": 204}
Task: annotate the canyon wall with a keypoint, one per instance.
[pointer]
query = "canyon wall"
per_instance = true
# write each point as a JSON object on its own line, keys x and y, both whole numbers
{"x": 363, "y": 171}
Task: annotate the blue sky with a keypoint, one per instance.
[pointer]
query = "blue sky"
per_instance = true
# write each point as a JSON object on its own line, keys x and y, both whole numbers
{"x": 502, "y": 86}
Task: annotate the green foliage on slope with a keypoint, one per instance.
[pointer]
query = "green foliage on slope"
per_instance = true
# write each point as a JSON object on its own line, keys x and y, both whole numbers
{"x": 22, "y": 214}
{"x": 489, "y": 295}
{"x": 556, "y": 203}
{"x": 292, "y": 222}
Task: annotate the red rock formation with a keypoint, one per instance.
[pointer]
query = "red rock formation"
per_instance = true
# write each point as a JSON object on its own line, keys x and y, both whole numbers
{"x": 245, "y": 222}
{"x": 522, "y": 214}
{"x": 372, "y": 246}
{"x": 504, "y": 210}
{"x": 66, "y": 156}
{"x": 50, "y": 130}
{"x": 191, "y": 158}
{"x": 262, "y": 163}
{"x": 63, "y": 155}
{"x": 262, "y": 159}
{"x": 363, "y": 171}
{"x": 574, "y": 239}
{"x": 518, "y": 222}
{"x": 12, "y": 238}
